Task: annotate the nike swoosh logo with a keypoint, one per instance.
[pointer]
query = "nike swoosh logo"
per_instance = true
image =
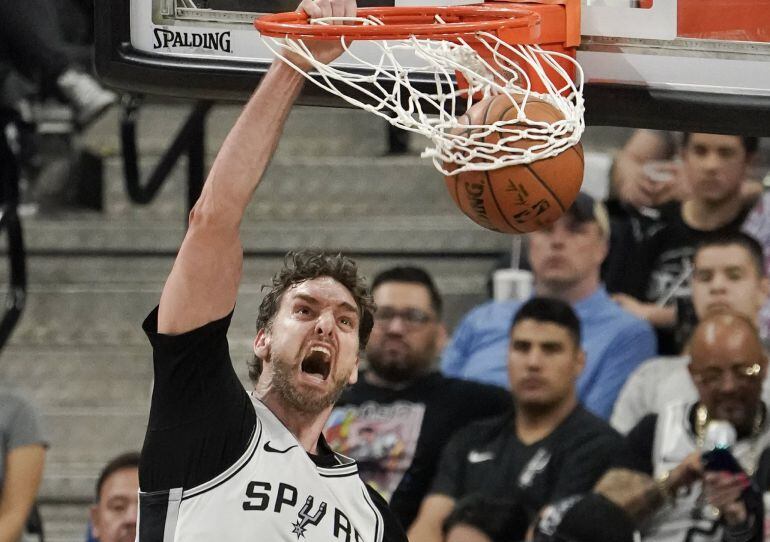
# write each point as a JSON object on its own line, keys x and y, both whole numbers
{"x": 479, "y": 457}
{"x": 269, "y": 448}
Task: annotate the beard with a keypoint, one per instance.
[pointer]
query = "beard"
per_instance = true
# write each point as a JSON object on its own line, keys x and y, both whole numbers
{"x": 397, "y": 368}
{"x": 305, "y": 401}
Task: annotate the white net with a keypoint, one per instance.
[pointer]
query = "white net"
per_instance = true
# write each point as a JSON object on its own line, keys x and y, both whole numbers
{"x": 391, "y": 90}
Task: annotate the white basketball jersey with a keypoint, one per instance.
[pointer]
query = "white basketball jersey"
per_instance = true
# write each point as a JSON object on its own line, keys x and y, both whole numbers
{"x": 689, "y": 519}
{"x": 275, "y": 493}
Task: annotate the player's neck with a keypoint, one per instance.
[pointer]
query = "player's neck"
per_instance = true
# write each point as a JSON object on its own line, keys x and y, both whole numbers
{"x": 704, "y": 215}
{"x": 534, "y": 424}
{"x": 306, "y": 427}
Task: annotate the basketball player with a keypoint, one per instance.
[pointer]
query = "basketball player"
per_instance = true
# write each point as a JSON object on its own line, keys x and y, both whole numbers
{"x": 219, "y": 463}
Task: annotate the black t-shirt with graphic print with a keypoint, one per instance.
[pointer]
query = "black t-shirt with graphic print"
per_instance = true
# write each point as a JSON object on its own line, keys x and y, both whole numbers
{"x": 202, "y": 418}
{"x": 487, "y": 458}
{"x": 662, "y": 269}
{"x": 413, "y": 424}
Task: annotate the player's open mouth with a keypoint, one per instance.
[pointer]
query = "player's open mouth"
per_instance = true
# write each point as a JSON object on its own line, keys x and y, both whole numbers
{"x": 317, "y": 362}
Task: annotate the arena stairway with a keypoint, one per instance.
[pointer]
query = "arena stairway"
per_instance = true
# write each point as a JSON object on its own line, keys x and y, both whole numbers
{"x": 79, "y": 352}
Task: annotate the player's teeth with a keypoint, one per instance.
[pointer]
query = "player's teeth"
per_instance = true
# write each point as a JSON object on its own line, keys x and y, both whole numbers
{"x": 321, "y": 349}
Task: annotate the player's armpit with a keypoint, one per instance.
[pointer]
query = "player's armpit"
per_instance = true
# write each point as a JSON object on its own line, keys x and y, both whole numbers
{"x": 435, "y": 508}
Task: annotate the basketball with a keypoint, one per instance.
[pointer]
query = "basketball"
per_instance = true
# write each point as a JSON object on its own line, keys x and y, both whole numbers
{"x": 517, "y": 198}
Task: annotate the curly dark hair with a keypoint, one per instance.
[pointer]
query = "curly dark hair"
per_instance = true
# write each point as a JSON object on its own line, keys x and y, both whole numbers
{"x": 309, "y": 264}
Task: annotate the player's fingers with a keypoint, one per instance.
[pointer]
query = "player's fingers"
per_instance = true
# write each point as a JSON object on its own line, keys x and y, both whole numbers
{"x": 311, "y": 8}
{"x": 338, "y": 8}
{"x": 325, "y": 7}
{"x": 350, "y": 8}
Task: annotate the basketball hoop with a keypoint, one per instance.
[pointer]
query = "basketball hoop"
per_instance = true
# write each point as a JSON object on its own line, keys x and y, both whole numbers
{"x": 522, "y": 51}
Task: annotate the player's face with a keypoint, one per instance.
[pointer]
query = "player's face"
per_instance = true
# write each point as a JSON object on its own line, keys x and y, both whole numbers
{"x": 113, "y": 518}
{"x": 543, "y": 364}
{"x": 728, "y": 367}
{"x": 715, "y": 166}
{"x": 311, "y": 347}
{"x": 405, "y": 337}
{"x": 566, "y": 252}
{"x": 726, "y": 278}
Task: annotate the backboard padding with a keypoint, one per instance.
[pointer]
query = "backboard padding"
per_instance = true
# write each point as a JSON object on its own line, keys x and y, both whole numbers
{"x": 651, "y": 81}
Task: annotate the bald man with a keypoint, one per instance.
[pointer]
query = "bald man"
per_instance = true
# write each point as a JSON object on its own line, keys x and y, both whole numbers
{"x": 729, "y": 274}
{"x": 667, "y": 491}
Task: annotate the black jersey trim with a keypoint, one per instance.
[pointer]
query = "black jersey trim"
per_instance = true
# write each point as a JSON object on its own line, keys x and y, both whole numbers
{"x": 378, "y": 521}
{"x": 338, "y": 474}
{"x": 233, "y": 470}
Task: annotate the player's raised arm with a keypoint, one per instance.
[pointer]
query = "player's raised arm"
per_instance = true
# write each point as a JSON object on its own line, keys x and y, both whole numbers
{"x": 203, "y": 283}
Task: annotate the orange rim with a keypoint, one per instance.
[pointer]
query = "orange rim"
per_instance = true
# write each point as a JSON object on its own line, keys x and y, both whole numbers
{"x": 521, "y": 25}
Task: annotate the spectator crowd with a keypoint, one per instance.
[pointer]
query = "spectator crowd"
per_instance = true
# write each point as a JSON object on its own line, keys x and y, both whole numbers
{"x": 636, "y": 405}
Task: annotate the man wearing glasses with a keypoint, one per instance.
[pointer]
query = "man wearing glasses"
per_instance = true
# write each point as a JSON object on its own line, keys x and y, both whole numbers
{"x": 703, "y": 500}
{"x": 729, "y": 274}
{"x": 399, "y": 415}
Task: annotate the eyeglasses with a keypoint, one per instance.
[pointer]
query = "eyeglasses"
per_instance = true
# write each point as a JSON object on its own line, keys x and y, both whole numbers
{"x": 409, "y": 317}
{"x": 743, "y": 374}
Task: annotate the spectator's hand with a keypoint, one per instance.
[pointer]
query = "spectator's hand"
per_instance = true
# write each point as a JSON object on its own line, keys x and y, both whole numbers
{"x": 653, "y": 183}
{"x": 634, "y": 492}
{"x": 684, "y": 474}
{"x": 632, "y": 305}
{"x": 638, "y": 191}
{"x": 750, "y": 192}
{"x": 656, "y": 315}
{"x": 323, "y": 50}
{"x": 723, "y": 490}
{"x": 675, "y": 186}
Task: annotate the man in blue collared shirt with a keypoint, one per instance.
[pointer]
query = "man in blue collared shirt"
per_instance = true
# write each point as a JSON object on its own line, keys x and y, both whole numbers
{"x": 566, "y": 258}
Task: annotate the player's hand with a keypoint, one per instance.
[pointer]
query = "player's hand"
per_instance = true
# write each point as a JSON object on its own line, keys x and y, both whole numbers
{"x": 723, "y": 490}
{"x": 324, "y": 51}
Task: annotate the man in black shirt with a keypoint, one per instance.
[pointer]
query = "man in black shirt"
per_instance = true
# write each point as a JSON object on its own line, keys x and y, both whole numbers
{"x": 655, "y": 281}
{"x": 219, "y": 463}
{"x": 400, "y": 414}
{"x": 548, "y": 448}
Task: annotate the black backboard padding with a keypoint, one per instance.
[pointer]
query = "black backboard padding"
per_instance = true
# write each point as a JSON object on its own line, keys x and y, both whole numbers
{"x": 677, "y": 110}
{"x": 123, "y": 67}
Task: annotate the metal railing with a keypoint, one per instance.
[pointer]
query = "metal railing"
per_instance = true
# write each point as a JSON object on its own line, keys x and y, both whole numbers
{"x": 189, "y": 140}
{"x": 11, "y": 225}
